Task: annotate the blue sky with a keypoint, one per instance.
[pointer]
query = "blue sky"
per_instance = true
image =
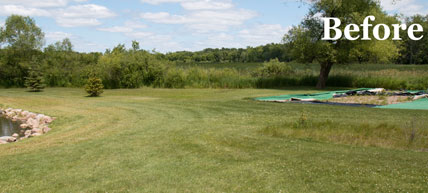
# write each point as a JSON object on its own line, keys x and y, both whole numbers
{"x": 170, "y": 25}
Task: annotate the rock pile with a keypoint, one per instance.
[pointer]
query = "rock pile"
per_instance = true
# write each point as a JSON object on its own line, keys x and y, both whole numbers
{"x": 415, "y": 95}
{"x": 33, "y": 124}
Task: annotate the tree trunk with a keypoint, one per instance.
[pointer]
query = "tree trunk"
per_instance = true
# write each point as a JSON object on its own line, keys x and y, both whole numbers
{"x": 324, "y": 72}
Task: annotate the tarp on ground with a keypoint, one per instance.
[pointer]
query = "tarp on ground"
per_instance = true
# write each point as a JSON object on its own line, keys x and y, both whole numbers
{"x": 315, "y": 96}
{"x": 421, "y": 104}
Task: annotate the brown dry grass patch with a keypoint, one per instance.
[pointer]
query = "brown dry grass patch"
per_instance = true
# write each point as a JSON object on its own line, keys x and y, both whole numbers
{"x": 373, "y": 100}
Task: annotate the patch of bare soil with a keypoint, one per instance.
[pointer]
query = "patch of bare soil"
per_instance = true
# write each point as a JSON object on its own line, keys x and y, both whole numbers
{"x": 372, "y": 100}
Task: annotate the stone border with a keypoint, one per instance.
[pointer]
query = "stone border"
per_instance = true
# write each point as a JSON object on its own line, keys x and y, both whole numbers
{"x": 33, "y": 124}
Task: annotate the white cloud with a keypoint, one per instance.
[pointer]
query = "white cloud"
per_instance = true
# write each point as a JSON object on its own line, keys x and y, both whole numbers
{"x": 139, "y": 35}
{"x": 57, "y": 36}
{"x": 135, "y": 25}
{"x": 201, "y": 15}
{"x": 203, "y": 21}
{"x": 82, "y": 15}
{"x": 128, "y": 27}
{"x": 36, "y": 3}
{"x": 72, "y": 16}
{"x": 406, "y": 7}
{"x": 263, "y": 34}
{"x": 40, "y": 3}
{"x": 196, "y": 4}
{"x": 116, "y": 29}
{"x": 86, "y": 11}
{"x": 7, "y": 10}
{"x": 77, "y": 22}
{"x": 207, "y": 4}
{"x": 156, "y": 2}
{"x": 211, "y": 21}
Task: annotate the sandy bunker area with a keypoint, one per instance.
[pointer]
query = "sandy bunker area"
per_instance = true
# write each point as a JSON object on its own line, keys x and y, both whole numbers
{"x": 372, "y": 100}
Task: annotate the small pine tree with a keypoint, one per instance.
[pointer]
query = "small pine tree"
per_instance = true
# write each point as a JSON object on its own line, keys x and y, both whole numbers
{"x": 94, "y": 87}
{"x": 35, "y": 81}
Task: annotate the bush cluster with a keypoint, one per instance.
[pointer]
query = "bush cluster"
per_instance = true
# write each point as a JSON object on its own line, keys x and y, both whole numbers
{"x": 94, "y": 87}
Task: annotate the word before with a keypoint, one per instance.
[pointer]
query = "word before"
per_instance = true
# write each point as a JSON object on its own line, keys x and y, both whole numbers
{"x": 351, "y": 28}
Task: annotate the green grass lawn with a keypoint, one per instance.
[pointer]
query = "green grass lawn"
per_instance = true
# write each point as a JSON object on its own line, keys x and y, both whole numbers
{"x": 208, "y": 140}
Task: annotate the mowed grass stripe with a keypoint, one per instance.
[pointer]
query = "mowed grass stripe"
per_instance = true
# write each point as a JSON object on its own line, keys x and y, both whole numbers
{"x": 157, "y": 140}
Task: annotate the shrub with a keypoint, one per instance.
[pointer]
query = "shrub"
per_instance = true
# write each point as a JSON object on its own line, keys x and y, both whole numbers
{"x": 174, "y": 78}
{"x": 94, "y": 87}
{"x": 35, "y": 81}
{"x": 273, "y": 68}
{"x": 123, "y": 68}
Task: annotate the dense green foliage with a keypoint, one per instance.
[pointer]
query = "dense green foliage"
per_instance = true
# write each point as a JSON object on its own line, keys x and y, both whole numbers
{"x": 22, "y": 39}
{"x": 94, "y": 87}
{"x": 21, "y": 33}
{"x": 134, "y": 68}
{"x": 307, "y": 43}
{"x": 121, "y": 68}
{"x": 35, "y": 81}
{"x": 273, "y": 68}
{"x": 415, "y": 52}
{"x": 66, "y": 68}
{"x": 227, "y": 55}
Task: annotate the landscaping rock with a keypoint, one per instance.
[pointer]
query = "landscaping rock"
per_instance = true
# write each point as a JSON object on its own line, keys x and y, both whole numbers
{"x": 27, "y": 133}
{"x": 36, "y": 131}
{"x": 8, "y": 139}
{"x": 36, "y": 124}
{"x": 46, "y": 129}
{"x": 35, "y": 134}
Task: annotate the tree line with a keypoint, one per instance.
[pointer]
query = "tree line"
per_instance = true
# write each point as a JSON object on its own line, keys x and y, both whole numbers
{"x": 22, "y": 51}
{"x": 229, "y": 55}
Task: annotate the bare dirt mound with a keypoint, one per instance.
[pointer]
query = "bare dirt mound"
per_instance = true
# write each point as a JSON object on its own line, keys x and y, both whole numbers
{"x": 372, "y": 100}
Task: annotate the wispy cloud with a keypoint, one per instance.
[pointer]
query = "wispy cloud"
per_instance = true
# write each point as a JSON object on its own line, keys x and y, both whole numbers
{"x": 405, "y": 7}
{"x": 128, "y": 27}
{"x": 66, "y": 16}
{"x": 6, "y": 10}
{"x": 57, "y": 36}
{"x": 203, "y": 15}
{"x": 82, "y": 15}
{"x": 40, "y": 3}
{"x": 198, "y": 24}
{"x": 263, "y": 33}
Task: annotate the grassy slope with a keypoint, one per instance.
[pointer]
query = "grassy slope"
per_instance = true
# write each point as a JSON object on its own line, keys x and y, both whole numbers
{"x": 158, "y": 140}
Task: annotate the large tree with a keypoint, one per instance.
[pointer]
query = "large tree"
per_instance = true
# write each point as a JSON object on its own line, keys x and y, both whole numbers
{"x": 308, "y": 46}
{"x": 22, "y": 39}
{"x": 21, "y": 33}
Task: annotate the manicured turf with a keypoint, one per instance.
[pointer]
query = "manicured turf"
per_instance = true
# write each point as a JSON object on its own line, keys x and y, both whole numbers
{"x": 159, "y": 140}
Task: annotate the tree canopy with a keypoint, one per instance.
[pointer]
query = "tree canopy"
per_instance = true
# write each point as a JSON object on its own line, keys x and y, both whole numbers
{"x": 23, "y": 40}
{"x": 21, "y": 33}
{"x": 133, "y": 67}
{"x": 307, "y": 44}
